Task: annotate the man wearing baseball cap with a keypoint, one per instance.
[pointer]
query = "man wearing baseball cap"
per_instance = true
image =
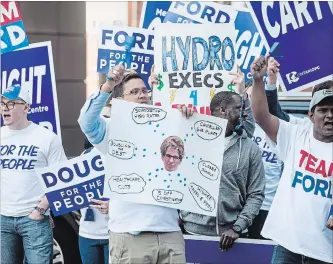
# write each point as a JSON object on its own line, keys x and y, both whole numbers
{"x": 25, "y": 225}
{"x": 300, "y": 218}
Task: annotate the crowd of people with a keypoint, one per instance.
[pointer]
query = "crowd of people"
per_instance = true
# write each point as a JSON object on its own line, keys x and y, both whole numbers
{"x": 287, "y": 199}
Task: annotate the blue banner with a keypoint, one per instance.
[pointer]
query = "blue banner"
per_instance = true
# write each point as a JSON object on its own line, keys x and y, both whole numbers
{"x": 302, "y": 29}
{"x": 204, "y": 250}
{"x": 248, "y": 42}
{"x": 33, "y": 69}
{"x": 112, "y": 50}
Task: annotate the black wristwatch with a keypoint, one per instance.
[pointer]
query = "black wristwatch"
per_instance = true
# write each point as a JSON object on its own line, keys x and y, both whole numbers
{"x": 40, "y": 210}
{"x": 237, "y": 229}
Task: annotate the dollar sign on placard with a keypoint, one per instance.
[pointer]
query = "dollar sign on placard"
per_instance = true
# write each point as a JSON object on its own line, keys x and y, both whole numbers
{"x": 230, "y": 88}
{"x": 160, "y": 83}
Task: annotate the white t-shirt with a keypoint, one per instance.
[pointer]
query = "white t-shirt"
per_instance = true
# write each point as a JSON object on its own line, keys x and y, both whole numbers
{"x": 300, "y": 209}
{"x": 21, "y": 152}
{"x": 133, "y": 217}
{"x": 273, "y": 167}
{"x": 97, "y": 229}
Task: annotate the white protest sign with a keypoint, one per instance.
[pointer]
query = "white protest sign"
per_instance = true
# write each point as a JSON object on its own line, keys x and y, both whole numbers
{"x": 155, "y": 156}
{"x": 70, "y": 185}
{"x": 193, "y": 62}
{"x": 112, "y": 49}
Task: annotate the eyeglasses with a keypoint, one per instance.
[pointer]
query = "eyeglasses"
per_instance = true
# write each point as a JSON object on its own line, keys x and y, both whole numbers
{"x": 137, "y": 91}
{"x": 9, "y": 105}
{"x": 170, "y": 156}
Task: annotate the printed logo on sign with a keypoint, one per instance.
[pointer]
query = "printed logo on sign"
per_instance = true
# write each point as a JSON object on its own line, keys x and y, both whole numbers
{"x": 293, "y": 77}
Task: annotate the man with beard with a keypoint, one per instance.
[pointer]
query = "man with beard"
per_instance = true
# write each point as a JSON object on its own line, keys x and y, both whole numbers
{"x": 242, "y": 180}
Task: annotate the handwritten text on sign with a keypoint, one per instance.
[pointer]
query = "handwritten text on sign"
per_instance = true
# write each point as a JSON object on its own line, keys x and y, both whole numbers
{"x": 12, "y": 31}
{"x": 193, "y": 62}
{"x": 162, "y": 163}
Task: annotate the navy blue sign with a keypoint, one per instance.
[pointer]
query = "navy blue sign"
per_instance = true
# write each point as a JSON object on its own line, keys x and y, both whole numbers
{"x": 32, "y": 68}
{"x": 200, "y": 249}
{"x": 304, "y": 31}
{"x": 153, "y": 13}
{"x": 112, "y": 50}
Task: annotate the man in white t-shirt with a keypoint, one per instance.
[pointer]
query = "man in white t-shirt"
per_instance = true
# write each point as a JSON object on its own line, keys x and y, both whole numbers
{"x": 25, "y": 225}
{"x": 139, "y": 233}
{"x": 299, "y": 220}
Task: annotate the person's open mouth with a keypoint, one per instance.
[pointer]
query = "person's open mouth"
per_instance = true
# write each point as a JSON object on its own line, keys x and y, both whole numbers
{"x": 6, "y": 116}
{"x": 328, "y": 124}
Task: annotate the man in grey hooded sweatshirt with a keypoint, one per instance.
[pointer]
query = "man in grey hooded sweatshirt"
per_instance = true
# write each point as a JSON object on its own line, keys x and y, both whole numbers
{"x": 242, "y": 180}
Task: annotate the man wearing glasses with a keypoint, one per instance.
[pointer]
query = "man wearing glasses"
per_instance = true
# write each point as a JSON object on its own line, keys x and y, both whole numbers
{"x": 139, "y": 233}
{"x": 25, "y": 225}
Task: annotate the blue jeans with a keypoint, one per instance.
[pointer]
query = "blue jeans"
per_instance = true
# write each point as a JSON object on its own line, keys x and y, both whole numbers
{"x": 282, "y": 255}
{"x": 94, "y": 251}
{"x": 22, "y": 236}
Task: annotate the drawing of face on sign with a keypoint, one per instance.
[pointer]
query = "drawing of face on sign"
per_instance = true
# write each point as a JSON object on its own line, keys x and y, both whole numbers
{"x": 172, "y": 152}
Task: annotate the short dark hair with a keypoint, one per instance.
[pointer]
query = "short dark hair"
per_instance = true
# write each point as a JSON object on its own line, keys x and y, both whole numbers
{"x": 322, "y": 86}
{"x": 119, "y": 89}
{"x": 222, "y": 99}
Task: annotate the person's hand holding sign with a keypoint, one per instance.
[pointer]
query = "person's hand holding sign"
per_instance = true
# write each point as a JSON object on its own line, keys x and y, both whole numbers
{"x": 100, "y": 205}
{"x": 238, "y": 81}
{"x": 114, "y": 77}
{"x": 272, "y": 70}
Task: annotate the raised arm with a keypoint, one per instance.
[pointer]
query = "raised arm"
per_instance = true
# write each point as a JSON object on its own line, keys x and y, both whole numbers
{"x": 90, "y": 120}
{"x": 268, "y": 122}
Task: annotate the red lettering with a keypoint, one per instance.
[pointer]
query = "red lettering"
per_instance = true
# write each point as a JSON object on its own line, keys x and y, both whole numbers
{"x": 311, "y": 162}
{"x": 330, "y": 171}
{"x": 321, "y": 169}
{"x": 158, "y": 104}
{"x": 304, "y": 155}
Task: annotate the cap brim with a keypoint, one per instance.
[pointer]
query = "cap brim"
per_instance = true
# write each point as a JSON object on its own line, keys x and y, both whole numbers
{"x": 7, "y": 96}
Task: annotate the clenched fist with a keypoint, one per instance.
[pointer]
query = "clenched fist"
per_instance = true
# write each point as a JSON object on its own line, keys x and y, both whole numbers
{"x": 259, "y": 68}
{"x": 113, "y": 78}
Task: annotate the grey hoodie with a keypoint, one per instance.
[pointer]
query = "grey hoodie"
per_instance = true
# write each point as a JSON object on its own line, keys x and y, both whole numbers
{"x": 241, "y": 190}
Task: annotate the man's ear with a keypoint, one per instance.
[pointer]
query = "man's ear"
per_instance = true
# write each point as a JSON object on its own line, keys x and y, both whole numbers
{"x": 224, "y": 112}
{"x": 311, "y": 116}
{"x": 26, "y": 108}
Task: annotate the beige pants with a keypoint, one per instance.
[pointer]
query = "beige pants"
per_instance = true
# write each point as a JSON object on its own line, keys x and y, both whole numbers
{"x": 147, "y": 248}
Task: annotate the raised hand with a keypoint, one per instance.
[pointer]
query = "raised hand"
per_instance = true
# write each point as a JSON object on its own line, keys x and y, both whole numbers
{"x": 272, "y": 70}
{"x": 238, "y": 80}
{"x": 259, "y": 68}
{"x": 113, "y": 78}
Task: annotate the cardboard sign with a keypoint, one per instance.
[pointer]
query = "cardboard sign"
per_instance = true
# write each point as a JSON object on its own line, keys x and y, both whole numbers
{"x": 301, "y": 28}
{"x": 162, "y": 163}
{"x": 111, "y": 49}
{"x": 32, "y": 68}
{"x": 193, "y": 62}
{"x": 249, "y": 44}
{"x": 69, "y": 186}
{"x": 12, "y": 31}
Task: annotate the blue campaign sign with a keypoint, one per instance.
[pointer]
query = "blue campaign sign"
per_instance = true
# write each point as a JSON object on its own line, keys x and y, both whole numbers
{"x": 203, "y": 249}
{"x": 249, "y": 44}
{"x": 32, "y": 68}
{"x": 112, "y": 49}
{"x": 304, "y": 31}
{"x": 69, "y": 186}
{"x": 153, "y": 13}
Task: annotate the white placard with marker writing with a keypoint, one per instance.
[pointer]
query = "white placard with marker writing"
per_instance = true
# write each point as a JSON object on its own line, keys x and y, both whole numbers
{"x": 192, "y": 62}
{"x": 157, "y": 156}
